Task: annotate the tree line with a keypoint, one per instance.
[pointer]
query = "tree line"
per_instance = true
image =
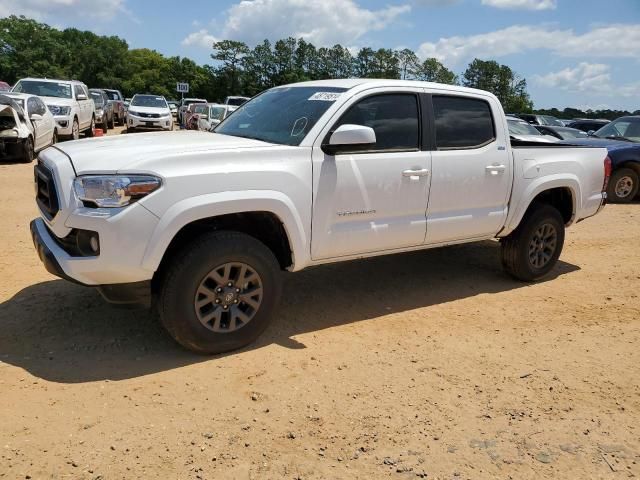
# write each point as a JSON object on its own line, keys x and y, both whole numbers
{"x": 31, "y": 48}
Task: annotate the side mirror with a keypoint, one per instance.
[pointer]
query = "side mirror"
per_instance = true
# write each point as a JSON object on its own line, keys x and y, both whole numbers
{"x": 35, "y": 117}
{"x": 350, "y": 138}
{"x": 591, "y": 132}
{"x": 81, "y": 96}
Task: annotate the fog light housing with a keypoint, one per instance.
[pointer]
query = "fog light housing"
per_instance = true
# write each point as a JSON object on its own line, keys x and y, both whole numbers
{"x": 88, "y": 243}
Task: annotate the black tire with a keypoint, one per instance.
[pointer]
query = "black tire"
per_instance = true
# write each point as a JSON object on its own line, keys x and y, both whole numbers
{"x": 75, "y": 129}
{"x": 105, "y": 124}
{"x": 120, "y": 120}
{"x": 27, "y": 151}
{"x": 91, "y": 131}
{"x": 54, "y": 138}
{"x": 112, "y": 123}
{"x": 191, "y": 266}
{"x": 521, "y": 250}
{"x": 623, "y": 186}
{"x": 131, "y": 130}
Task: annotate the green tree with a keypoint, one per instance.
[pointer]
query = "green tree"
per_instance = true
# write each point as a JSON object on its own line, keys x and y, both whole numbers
{"x": 230, "y": 53}
{"x": 431, "y": 70}
{"x": 408, "y": 63}
{"x": 500, "y": 80}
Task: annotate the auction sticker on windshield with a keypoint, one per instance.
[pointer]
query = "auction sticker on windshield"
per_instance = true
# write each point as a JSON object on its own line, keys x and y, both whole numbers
{"x": 325, "y": 96}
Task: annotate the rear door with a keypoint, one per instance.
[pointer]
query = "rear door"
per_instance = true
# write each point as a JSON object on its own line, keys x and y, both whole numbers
{"x": 471, "y": 169}
{"x": 368, "y": 201}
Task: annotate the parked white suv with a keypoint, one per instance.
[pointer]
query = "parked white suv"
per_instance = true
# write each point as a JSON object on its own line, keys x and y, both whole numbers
{"x": 69, "y": 102}
{"x": 302, "y": 175}
{"x": 149, "y": 112}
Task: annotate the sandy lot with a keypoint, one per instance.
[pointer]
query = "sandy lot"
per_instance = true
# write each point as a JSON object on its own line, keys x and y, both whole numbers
{"x": 452, "y": 371}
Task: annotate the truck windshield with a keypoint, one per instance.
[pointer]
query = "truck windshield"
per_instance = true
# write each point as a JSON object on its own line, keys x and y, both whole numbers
{"x": 44, "y": 88}
{"x": 282, "y": 115}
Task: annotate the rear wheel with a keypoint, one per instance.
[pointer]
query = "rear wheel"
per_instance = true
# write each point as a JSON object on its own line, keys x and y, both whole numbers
{"x": 533, "y": 249}
{"x": 623, "y": 186}
{"x": 92, "y": 128}
{"x": 112, "y": 123}
{"x": 220, "y": 292}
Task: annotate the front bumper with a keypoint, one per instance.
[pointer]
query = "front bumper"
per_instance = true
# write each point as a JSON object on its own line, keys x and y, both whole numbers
{"x": 162, "y": 123}
{"x": 131, "y": 295}
{"x": 64, "y": 124}
{"x": 11, "y": 148}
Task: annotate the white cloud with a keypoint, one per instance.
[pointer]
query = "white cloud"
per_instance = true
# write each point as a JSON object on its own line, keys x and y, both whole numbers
{"x": 522, "y": 4}
{"x": 42, "y": 9}
{"x": 587, "y": 78}
{"x": 201, "y": 38}
{"x": 322, "y": 22}
{"x": 604, "y": 42}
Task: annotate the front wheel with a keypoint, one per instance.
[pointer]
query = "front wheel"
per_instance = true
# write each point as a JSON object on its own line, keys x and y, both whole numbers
{"x": 27, "y": 151}
{"x": 220, "y": 292}
{"x": 533, "y": 249}
{"x": 112, "y": 123}
{"x": 623, "y": 186}
{"x": 91, "y": 132}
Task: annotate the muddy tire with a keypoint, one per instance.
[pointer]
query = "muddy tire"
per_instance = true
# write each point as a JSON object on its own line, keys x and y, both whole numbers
{"x": 532, "y": 250}
{"x": 219, "y": 292}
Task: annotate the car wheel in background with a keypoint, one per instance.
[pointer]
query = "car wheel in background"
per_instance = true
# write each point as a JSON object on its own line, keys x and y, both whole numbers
{"x": 75, "y": 130}
{"x": 105, "y": 124}
{"x": 532, "y": 250}
{"x": 54, "y": 138}
{"x": 112, "y": 123}
{"x": 121, "y": 120}
{"x": 131, "y": 130}
{"x": 219, "y": 292}
{"x": 91, "y": 131}
{"x": 27, "y": 151}
{"x": 623, "y": 186}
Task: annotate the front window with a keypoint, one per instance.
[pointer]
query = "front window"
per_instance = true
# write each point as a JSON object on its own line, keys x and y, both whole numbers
{"x": 97, "y": 99}
{"x": 44, "y": 89}
{"x": 236, "y": 102}
{"x": 281, "y": 115}
{"x": 200, "y": 108}
{"x": 625, "y": 128}
{"x": 148, "y": 101}
{"x": 112, "y": 95}
{"x": 216, "y": 113}
{"x": 462, "y": 122}
{"x": 517, "y": 127}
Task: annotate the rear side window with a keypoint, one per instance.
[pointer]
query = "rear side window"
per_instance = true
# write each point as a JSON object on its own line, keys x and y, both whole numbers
{"x": 394, "y": 118}
{"x": 462, "y": 122}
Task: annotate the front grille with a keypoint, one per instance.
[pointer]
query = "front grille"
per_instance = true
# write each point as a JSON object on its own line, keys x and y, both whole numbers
{"x": 46, "y": 195}
{"x": 149, "y": 115}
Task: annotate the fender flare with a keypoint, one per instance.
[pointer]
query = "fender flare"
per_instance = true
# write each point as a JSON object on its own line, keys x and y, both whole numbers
{"x": 222, "y": 203}
{"x": 536, "y": 188}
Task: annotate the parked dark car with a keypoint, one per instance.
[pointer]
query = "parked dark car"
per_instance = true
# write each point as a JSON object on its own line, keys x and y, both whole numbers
{"x": 119, "y": 111}
{"x": 562, "y": 133}
{"x": 104, "y": 109}
{"x": 622, "y": 138}
{"x": 587, "y": 125}
{"x": 540, "y": 119}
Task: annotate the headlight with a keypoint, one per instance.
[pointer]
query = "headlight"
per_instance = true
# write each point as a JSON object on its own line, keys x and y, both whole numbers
{"x": 56, "y": 110}
{"x": 114, "y": 190}
{"x": 132, "y": 112}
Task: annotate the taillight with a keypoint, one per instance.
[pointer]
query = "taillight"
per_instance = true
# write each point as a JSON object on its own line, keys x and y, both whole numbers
{"x": 607, "y": 173}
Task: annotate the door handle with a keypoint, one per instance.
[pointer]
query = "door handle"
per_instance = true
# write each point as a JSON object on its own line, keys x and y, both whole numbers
{"x": 422, "y": 172}
{"x": 495, "y": 169}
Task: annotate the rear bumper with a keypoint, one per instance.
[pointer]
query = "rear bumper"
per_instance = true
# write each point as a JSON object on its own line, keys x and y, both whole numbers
{"x": 130, "y": 295}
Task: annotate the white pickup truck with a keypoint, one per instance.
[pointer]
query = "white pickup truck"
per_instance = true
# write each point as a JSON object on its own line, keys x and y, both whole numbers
{"x": 301, "y": 175}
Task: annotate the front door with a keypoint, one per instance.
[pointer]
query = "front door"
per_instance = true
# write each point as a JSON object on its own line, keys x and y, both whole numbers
{"x": 373, "y": 200}
{"x": 472, "y": 170}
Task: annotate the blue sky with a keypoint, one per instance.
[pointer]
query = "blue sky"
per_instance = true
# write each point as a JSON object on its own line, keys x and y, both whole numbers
{"x": 581, "y": 53}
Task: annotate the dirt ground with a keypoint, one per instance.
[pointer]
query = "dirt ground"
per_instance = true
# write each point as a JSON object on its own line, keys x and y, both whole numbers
{"x": 424, "y": 365}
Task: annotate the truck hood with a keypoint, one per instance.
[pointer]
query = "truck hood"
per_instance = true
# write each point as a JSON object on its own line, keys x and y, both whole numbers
{"x": 57, "y": 101}
{"x": 140, "y": 151}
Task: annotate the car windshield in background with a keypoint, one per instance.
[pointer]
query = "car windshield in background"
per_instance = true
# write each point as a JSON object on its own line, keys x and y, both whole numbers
{"x": 517, "y": 127}
{"x": 189, "y": 102}
{"x": 216, "y": 113}
{"x": 200, "y": 108}
{"x": 236, "y": 102}
{"x": 280, "y": 115}
{"x": 148, "y": 101}
{"x": 553, "y": 121}
{"x": 44, "y": 89}
{"x": 625, "y": 128}
{"x": 97, "y": 98}
{"x": 112, "y": 95}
